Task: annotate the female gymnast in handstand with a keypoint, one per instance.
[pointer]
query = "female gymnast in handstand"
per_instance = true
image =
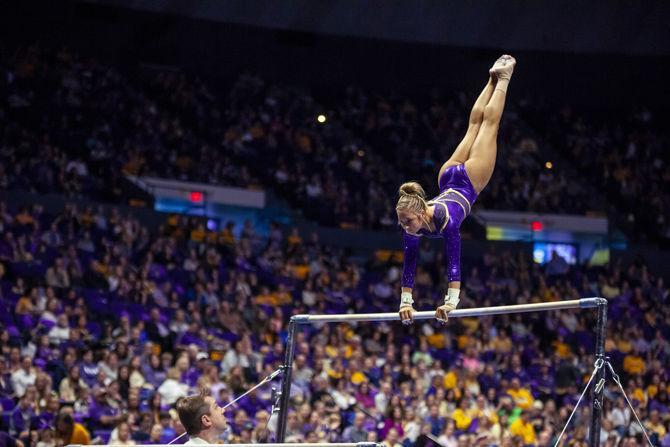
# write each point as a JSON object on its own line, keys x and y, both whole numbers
{"x": 461, "y": 179}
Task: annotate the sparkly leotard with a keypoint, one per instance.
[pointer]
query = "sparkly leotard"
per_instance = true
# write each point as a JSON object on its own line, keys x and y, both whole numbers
{"x": 452, "y": 206}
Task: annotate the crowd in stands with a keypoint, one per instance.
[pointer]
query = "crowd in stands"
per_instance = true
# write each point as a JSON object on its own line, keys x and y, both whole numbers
{"x": 625, "y": 157}
{"x": 80, "y": 124}
{"x": 105, "y": 324}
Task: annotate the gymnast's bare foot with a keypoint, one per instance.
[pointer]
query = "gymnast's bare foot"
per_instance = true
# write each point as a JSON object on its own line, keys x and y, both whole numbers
{"x": 502, "y": 68}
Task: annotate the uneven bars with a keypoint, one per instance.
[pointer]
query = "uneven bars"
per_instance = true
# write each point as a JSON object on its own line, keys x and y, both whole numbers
{"x": 288, "y": 444}
{"x": 458, "y": 313}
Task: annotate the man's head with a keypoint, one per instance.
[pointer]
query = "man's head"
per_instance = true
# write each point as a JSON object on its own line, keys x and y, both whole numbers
{"x": 359, "y": 419}
{"x": 26, "y": 363}
{"x": 201, "y": 413}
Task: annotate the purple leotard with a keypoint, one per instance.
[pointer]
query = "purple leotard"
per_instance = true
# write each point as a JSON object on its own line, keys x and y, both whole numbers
{"x": 452, "y": 206}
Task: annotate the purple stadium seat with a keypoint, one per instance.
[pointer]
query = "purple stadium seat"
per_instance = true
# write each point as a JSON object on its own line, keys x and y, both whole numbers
{"x": 40, "y": 363}
{"x": 5, "y": 420}
{"x": 157, "y": 272}
{"x": 6, "y": 313}
{"x": 47, "y": 324}
{"x": 13, "y": 331}
{"x": 25, "y": 322}
{"x": 94, "y": 328}
{"x": 7, "y": 404}
{"x": 104, "y": 435}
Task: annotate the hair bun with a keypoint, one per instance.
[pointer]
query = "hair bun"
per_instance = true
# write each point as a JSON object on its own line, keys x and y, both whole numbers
{"x": 411, "y": 188}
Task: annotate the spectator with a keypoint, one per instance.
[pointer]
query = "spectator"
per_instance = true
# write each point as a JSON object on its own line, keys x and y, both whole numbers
{"x": 123, "y": 435}
{"x": 171, "y": 389}
{"x": 523, "y": 428}
{"x": 6, "y": 386}
{"x": 391, "y": 439}
{"x": 70, "y": 386}
{"x": 22, "y": 416}
{"x": 24, "y": 376}
{"x": 70, "y": 432}
{"x": 522, "y": 396}
{"x": 356, "y": 432}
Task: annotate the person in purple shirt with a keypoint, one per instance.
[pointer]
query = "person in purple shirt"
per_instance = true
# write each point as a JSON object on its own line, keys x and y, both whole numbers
{"x": 460, "y": 181}
{"x": 88, "y": 369}
{"x": 6, "y": 387}
{"x": 544, "y": 383}
{"x": 102, "y": 414}
{"x": 488, "y": 379}
{"x": 21, "y": 417}
{"x": 153, "y": 372}
{"x": 660, "y": 403}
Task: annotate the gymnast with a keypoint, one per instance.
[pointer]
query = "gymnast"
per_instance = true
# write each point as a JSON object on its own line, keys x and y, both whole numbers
{"x": 460, "y": 180}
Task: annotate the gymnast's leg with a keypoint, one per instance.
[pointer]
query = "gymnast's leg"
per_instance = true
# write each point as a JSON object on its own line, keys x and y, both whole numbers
{"x": 482, "y": 157}
{"x": 462, "y": 152}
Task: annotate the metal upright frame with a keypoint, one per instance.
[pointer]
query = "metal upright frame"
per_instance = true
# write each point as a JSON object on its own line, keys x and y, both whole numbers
{"x": 584, "y": 303}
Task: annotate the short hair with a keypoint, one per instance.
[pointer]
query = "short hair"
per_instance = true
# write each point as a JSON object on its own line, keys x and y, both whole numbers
{"x": 191, "y": 409}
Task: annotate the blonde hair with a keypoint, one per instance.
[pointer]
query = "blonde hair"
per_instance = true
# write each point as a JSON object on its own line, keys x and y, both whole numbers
{"x": 412, "y": 198}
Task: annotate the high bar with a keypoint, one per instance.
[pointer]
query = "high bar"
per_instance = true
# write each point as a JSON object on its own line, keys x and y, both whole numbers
{"x": 582, "y": 303}
{"x": 287, "y": 444}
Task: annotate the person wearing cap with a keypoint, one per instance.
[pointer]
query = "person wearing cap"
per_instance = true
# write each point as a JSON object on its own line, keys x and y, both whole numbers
{"x": 202, "y": 417}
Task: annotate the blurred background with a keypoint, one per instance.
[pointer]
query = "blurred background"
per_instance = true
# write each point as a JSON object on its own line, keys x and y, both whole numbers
{"x": 178, "y": 178}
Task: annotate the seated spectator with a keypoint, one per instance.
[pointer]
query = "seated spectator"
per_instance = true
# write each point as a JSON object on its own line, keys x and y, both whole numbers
{"x": 6, "y": 387}
{"x": 70, "y": 385}
{"x": 104, "y": 413}
{"x": 24, "y": 376}
{"x": 156, "y": 435}
{"x": 391, "y": 439}
{"x": 61, "y": 331}
{"x": 634, "y": 364}
{"x": 70, "y": 432}
{"x": 22, "y": 416}
{"x": 523, "y": 428}
{"x": 522, "y": 396}
{"x": 121, "y": 435}
{"x": 57, "y": 275}
{"x": 9, "y": 441}
{"x": 461, "y": 415}
{"x": 355, "y": 432}
{"x": 655, "y": 425}
{"x": 171, "y": 389}
{"x": 436, "y": 421}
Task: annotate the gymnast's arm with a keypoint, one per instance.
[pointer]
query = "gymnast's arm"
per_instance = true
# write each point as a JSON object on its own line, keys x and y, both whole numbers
{"x": 410, "y": 251}
{"x": 452, "y": 256}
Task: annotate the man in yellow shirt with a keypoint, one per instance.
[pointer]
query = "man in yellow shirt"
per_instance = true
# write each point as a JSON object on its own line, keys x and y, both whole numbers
{"x": 655, "y": 425}
{"x": 461, "y": 415}
{"x": 634, "y": 364}
{"x": 522, "y": 427}
{"x": 521, "y": 396}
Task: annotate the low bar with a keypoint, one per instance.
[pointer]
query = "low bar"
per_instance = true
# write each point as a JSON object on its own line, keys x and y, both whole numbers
{"x": 458, "y": 313}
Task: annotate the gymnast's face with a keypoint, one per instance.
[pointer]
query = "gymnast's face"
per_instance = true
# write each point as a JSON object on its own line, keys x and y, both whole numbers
{"x": 410, "y": 221}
